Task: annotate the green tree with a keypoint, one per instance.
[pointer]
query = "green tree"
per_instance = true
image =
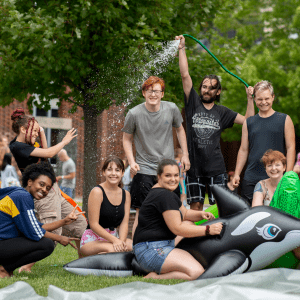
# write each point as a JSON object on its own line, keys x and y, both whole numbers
{"x": 48, "y": 45}
{"x": 269, "y": 31}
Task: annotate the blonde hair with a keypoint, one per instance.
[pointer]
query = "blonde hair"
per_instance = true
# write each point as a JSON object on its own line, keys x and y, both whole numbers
{"x": 262, "y": 86}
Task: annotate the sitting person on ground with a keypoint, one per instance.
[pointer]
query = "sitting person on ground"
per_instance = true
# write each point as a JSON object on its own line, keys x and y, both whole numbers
{"x": 108, "y": 208}
{"x": 275, "y": 165}
{"x": 23, "y": 239}
{"x": 9, "y": 176}
{"x": 163, "y": 217}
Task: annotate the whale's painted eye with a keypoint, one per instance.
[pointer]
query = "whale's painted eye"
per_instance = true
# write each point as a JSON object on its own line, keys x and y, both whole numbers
{"x": 268, "y": 231}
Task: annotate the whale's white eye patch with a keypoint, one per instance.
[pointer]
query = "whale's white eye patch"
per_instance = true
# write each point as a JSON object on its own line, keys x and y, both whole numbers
{"x": 268, "y": 231}
{"x": 249, "y": 223}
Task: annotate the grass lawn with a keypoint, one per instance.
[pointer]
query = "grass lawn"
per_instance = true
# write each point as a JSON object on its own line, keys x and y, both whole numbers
{"x": 50, "y": 271}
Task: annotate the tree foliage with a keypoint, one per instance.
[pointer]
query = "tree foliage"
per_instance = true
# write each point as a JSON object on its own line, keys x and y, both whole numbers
{"x": 92, "y": 47}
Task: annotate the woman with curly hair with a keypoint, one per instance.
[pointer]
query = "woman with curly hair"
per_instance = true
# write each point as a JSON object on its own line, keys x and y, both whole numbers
{"x": 23, "y": 147}
{"x": 23, "y": 239}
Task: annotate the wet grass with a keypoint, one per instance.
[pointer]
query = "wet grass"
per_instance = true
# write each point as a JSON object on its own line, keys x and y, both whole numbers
{"x": 50, "y": 271}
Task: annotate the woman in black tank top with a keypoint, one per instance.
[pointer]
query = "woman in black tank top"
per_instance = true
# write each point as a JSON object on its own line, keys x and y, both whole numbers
{"x": 108, "y": 208}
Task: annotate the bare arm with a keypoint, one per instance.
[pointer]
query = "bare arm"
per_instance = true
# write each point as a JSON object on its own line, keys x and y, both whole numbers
{"x": 289, "y": 133}
{"x": 183, "y": 144}
{"x": 184, "y": 68}
{"x": 69, "y": 176}
{"x": 242, "y": 156}
{"x": 50, "y": 152}
{"x": 173, "y": 221}
{"x": 127, "y": 145}
{"x": 250, "y": 107}
{"x": 123, "y": 230}
{"x": 43, "y": 138}
{"x": 258, "y": 195}
{"x": 195, "y": 215}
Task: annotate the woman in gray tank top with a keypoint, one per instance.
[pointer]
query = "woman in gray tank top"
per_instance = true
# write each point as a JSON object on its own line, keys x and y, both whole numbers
{"x": 266, "y": 130}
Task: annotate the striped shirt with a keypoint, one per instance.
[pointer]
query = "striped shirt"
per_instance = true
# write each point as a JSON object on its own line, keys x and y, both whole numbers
{"x": 17, "y": 216}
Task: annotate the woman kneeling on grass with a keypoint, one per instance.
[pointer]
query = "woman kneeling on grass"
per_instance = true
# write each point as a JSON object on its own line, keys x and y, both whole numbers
{"x": 108, "y": 208}
{"x": 23, "y": 239}
{"x": 162, "y": 217}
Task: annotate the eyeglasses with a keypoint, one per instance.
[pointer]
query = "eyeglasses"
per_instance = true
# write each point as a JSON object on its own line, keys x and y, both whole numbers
{"x": 150, "y": 92}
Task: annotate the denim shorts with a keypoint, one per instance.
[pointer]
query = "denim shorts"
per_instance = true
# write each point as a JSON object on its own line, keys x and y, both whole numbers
{"x": 152, "y": 255}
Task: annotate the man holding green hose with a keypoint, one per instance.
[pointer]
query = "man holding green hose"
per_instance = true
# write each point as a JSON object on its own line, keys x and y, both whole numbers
{"x": 205, "y": 123}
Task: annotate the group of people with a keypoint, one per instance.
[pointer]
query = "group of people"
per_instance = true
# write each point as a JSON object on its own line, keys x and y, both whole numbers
{"x": 158, "y": 179}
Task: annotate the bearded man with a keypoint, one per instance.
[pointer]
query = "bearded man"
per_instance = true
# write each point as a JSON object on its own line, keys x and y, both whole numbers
{"x": 205, "y": 122}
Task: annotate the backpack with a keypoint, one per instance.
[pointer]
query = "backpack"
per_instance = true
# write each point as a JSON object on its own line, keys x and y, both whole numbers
{"x": 9, "y": 179}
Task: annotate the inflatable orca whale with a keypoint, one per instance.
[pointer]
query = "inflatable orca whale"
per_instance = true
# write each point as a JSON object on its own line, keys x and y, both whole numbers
{"x": 251, "y": 239}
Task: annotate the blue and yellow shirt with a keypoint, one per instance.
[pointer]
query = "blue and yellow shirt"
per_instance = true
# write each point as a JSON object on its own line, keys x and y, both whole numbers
{"x": 17, "y": 216}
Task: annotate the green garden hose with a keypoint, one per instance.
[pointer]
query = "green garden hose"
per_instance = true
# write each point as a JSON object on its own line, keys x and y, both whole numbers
{"x": 217, "y": 60}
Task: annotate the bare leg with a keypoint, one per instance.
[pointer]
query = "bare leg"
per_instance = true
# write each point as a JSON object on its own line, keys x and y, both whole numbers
{"x": 135, "y": 223}
{"x": 26, "y": 268}
{"x": 196, "y": 206}
{"x": 96, "y": 247}
{"x": 179, "y": 264}
{"x": 129, "y": 244}
{"x": 4, "y": 273}
{"x": 78, "y": 249}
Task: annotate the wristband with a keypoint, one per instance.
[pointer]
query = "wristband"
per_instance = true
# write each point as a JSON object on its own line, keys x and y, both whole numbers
{"x": 207, "y": 230}
{"x": 62, "y": 177}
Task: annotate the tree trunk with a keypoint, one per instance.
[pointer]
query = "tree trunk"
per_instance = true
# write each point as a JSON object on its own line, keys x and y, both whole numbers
{"x": 90, "y": 153}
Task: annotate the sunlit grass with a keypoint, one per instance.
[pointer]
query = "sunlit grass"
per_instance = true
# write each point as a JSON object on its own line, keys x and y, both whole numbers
{"x": 50, "y": 271}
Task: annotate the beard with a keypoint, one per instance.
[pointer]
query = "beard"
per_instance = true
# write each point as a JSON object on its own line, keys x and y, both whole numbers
{"x": 210, "y": 100}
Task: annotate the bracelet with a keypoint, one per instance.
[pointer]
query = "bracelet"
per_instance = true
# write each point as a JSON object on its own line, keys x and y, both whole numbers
{"x": 207, "y": 230}
{"x": 62, "y": 177}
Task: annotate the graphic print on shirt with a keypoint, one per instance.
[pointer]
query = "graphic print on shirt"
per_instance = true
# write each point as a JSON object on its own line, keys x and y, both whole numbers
{"x": 205, "y": 125}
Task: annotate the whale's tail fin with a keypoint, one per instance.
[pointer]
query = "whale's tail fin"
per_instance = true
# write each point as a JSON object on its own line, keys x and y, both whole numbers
{"x": 228, "y": 202}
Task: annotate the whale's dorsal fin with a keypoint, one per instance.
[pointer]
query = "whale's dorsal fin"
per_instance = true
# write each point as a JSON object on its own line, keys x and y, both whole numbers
{"x": 228, "y": 202}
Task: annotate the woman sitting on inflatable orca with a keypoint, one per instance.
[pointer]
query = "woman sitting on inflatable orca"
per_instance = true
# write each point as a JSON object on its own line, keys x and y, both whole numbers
{"x": 23, "y": 239}
{"x": 275, "y": 165}
{"x": 162, "y": 217}
{"x": 108, "y": 208}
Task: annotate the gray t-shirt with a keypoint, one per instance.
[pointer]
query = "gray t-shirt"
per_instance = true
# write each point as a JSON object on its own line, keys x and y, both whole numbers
{"x": 152, "y": 134}
{"x": 67, "y": 168}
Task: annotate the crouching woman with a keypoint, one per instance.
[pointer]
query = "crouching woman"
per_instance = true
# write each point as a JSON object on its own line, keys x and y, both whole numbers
{"x": 23, "y": 239}
{"x": 163, "y": 217}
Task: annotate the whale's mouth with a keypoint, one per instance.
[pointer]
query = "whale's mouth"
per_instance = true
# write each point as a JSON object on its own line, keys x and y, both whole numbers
{"x": 268, "y": 252}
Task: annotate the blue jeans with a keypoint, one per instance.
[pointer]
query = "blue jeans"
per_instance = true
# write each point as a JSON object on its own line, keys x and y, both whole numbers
{"x": 152, "y": 255}
{"x": 67, "y": 191}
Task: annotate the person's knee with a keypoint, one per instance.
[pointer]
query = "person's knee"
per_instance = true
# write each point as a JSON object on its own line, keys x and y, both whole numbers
{"x": 196, "y": 206}
{"x": 47, "y": 246}
{"x": 196, "y": 271}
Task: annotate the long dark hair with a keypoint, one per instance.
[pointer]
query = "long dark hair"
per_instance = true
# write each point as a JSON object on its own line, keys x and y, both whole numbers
{"x": 218, "y": 86}
{"x": 118, "y": 161}
{"x": 6, "y": 161}
{"x": 166, "y": 162}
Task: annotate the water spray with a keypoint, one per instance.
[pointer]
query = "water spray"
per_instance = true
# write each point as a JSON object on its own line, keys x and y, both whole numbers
{"x": 240, "y": 79}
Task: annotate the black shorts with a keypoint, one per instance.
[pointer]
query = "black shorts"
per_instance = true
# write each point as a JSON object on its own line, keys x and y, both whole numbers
{"x": 196, "y": 187}
{"x": 140, "y": 186}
